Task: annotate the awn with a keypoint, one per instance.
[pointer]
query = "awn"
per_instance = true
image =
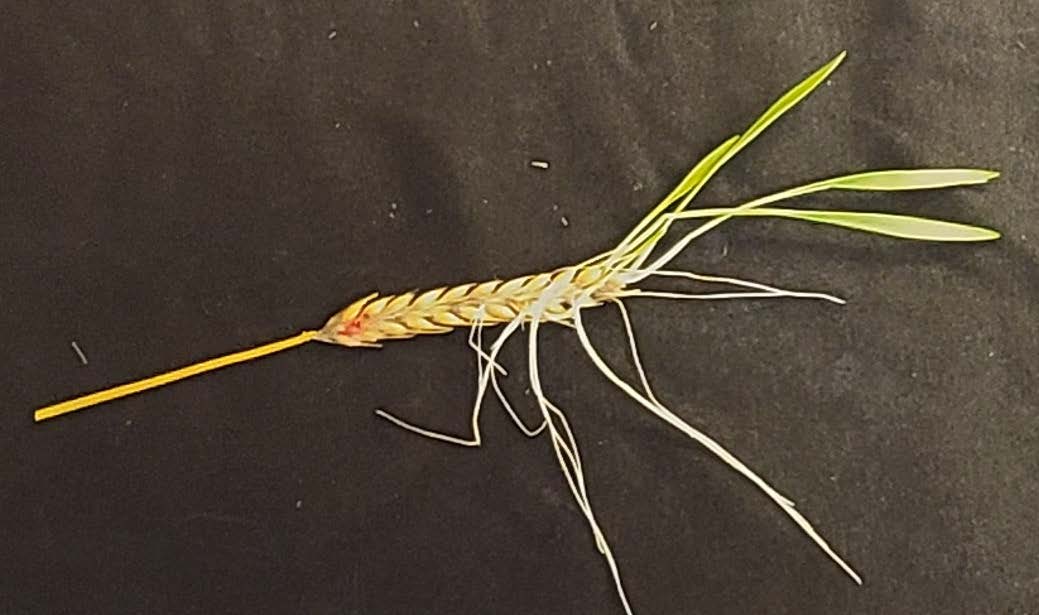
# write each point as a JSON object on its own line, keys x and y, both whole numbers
{"x": 562, "y": 295}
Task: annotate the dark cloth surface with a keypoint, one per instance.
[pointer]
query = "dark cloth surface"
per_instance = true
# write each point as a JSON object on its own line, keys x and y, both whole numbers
{"x": 185, "y": 179}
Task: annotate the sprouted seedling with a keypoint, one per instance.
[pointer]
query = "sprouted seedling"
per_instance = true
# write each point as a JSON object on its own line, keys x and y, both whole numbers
{"x": 562, "y": 295}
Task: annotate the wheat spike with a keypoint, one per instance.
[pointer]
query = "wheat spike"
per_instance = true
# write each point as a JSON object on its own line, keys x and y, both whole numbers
{"x": 373, "y": 319}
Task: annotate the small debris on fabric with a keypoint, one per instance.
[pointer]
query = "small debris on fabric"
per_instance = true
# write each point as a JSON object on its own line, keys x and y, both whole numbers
{"x": 652, "y": 26}
{"x": 332, "y": 34}
{"x": 79, "y": 353}
{"x": 539, "y": 164}
{"x": 564, "y": 222}
{"x": 299, "y": 504}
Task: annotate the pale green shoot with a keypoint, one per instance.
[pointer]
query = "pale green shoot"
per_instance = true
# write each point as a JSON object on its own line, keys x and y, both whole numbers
{"x": 893, "y": 225}
{"x": 691, "y": 185}
{"x": 884, "y": 180}
{"x": 692, "y": 181}
{"x": 904, "y": 179}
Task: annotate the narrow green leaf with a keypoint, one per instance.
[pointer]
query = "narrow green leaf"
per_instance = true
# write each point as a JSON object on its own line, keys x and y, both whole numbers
{"x": 783, "y": 104}
{"x": 706, "y": 168}
{"x": 691, "y": 181}
{"x": 894, "y": 225}
{"x": 695, "y": 176}
{"x": 887, "y": 180}
{"x": 911, "y": 179}
{"x": 793, "y": 96}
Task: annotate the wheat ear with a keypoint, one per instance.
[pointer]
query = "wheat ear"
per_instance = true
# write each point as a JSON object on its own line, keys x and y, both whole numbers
{"x": 560, "y": 296}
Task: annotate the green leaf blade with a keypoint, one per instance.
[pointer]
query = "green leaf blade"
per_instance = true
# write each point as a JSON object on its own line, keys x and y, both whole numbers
{"x": 783, "y": 104}
{"x": 792, "y": 96}
{"x": 911, "y": 179}
{"x": 644, "y": 235}
{"x": 893, "y": 225}
{"x": 692, "y": 181}
{"x": 695, "y": 177}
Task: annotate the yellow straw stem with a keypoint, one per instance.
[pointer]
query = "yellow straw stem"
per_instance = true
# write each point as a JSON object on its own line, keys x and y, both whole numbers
{"x": 159, "y": 380}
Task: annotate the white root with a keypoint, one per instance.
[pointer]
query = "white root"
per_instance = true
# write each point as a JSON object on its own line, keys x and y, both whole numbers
{"x": 564, "y": 444}
{"x": 710, "y": 444}
{"x": 715, "y": 279}
{"x": 634, "y": 350}
{"x": 565, "y": 447}
{"x": 485, "y": 375}
{"x": 477, "y": 345}
{"x": 658, "y": 294}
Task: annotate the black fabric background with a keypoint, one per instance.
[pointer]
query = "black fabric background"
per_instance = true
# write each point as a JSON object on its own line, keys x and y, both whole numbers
{"x": 185, "y": 179}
